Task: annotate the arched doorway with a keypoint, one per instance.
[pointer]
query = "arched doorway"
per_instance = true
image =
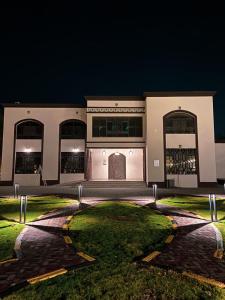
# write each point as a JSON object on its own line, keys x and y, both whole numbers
{"x": 117, "y": 166}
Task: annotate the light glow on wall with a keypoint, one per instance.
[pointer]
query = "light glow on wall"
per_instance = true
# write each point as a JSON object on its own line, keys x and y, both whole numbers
{"x": 75, "y": 150}
{"x": 117, "y": 153}
{"x": 103, "y": 152}
{"x": 130, "y": 152}
{"x": 27, "y": 150}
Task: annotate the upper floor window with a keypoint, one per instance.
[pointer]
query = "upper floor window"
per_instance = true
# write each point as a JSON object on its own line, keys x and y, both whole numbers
{"x": 29, "y": 130}
{"x": 117, "y": 127}
{"x": 180, "y": 122}
{"x": 73, "y": 129}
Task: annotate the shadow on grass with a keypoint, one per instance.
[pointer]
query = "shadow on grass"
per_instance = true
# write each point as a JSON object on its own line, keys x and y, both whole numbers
{"x": 2, "y": 227}
{"x": 8, "y": 219}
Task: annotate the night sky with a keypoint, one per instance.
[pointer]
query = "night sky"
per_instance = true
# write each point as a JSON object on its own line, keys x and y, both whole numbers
{"x": 50, "y": 54}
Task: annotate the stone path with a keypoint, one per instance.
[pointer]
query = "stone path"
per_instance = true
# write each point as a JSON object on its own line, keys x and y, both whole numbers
{"x": 41, "y": 248}
{"x": 193, "y": 247}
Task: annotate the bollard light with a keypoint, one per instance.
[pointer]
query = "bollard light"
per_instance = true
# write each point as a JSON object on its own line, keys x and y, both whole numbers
{"x": 154, "y": 187}
{"x": 80, "y": 190}
{"x": 16, "y": 190}
{"x": 212, "y": 207}
{"x": 23, "y": 208}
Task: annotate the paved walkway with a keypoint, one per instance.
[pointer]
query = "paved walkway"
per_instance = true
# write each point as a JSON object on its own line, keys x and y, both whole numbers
{"x": 41, "y": 248}
{"x": 105, "y": 193}
{"x": 193, "y": 247}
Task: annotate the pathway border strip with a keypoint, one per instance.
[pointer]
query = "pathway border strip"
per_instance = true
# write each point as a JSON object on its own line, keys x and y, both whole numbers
{"x": 204, "y": 279}
{"x": 48, "y": 275}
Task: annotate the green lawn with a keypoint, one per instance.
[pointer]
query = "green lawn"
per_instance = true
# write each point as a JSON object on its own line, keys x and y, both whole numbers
{"x": 9, "y": 218}
{"x": 8, "y": 234}
{"x": 115, "y": 233}
{"x": 199, "y": 205}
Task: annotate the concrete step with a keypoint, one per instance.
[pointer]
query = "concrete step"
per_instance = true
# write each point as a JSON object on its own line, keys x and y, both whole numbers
{"x": 112, "y": 184}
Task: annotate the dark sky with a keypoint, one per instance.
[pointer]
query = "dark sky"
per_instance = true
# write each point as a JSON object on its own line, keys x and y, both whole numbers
{"x": 59, "y": 54}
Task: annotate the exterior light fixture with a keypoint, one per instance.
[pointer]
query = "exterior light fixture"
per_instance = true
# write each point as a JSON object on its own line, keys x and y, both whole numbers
{"x": 23, "y": 208}
{"x": 27, "y": 150}
{"x": 130, "y": 152}
{"x": 75, "y": 150}
{"x": 117, "y": 153}
{"x": 103, "y": 152}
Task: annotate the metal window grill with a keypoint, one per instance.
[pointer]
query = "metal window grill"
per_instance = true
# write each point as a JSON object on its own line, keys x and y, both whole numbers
{"x": 181, "y": 161}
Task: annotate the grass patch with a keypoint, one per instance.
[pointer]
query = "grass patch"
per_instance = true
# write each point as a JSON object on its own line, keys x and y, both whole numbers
{"x": 36, "y": 206}
{"x": 9, "y": 218}
{"x": 200, "y": 206}
{"x": 8, "y": 234}
{"x": 115, "y": 233}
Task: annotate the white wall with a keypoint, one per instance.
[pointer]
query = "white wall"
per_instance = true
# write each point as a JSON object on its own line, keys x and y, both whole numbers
{"x": 184, "y": 180}
{"x": 71, "y": 177}
{"x": 70, "y": 144}
{"x": 202, "y": 107}
{"x": 220, "y": 160}
{"x": 33, "y": 145}
{"x": 51, "y": 118}
{"x": 134, "y": 163}
{"x": 186, "y": 140}
{"x": 27, "y": 179}
{"x": 115, "y": 103}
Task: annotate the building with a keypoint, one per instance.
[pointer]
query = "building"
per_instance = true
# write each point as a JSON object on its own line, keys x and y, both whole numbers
{"x": 161, "y": 137}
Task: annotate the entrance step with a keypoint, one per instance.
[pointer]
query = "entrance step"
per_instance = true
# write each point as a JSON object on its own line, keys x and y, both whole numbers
{"x": 113, "y": 184}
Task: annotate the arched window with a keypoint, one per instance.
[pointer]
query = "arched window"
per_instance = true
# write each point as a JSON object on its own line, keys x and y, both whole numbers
{"x": 73, "y": 129}
{"x": 30, "y": 129}
{"x": 180, "y": 122}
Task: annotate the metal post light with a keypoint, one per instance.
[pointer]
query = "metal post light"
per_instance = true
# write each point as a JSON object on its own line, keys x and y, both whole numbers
{"x": 23, "y": 208}
{"x": 154, "y": 186}
{"x": 80, "y": 190}
{"x": 210, "y": 206}
{"x": 16, "y": 190}
{"x": 214, "y": 206}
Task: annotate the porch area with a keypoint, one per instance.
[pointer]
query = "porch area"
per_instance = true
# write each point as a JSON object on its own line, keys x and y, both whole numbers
{"x": 120, "y": 164}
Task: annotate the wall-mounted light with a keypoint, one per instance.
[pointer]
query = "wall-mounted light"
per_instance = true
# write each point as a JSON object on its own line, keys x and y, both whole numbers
{"x": 117, "y": 153}
{"x": 27, "y": 150}
{"x": 130, "y": 152}
{"x": 75, "y": 150}
{"x": 103, "y": 152}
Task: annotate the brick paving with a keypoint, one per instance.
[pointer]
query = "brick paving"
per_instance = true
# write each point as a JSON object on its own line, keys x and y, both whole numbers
{"x": 193, "y": 247}
{"x": 42, "y": 250}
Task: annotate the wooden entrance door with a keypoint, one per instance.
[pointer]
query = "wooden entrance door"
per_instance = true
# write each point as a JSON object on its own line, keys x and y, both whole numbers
{"x": 117, "y": 166}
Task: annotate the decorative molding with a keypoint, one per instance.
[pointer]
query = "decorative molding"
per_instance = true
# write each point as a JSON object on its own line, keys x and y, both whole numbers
{"x": 116, "y": 109}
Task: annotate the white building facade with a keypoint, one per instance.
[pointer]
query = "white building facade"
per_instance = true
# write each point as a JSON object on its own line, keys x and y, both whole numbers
{"x": 160, "y": 138}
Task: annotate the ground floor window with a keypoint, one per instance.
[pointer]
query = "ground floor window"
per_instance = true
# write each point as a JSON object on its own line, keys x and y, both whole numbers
{"x": 181, "y": 161}
{"x": 28, "y": 163}
{"x": 72, "y": 162}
